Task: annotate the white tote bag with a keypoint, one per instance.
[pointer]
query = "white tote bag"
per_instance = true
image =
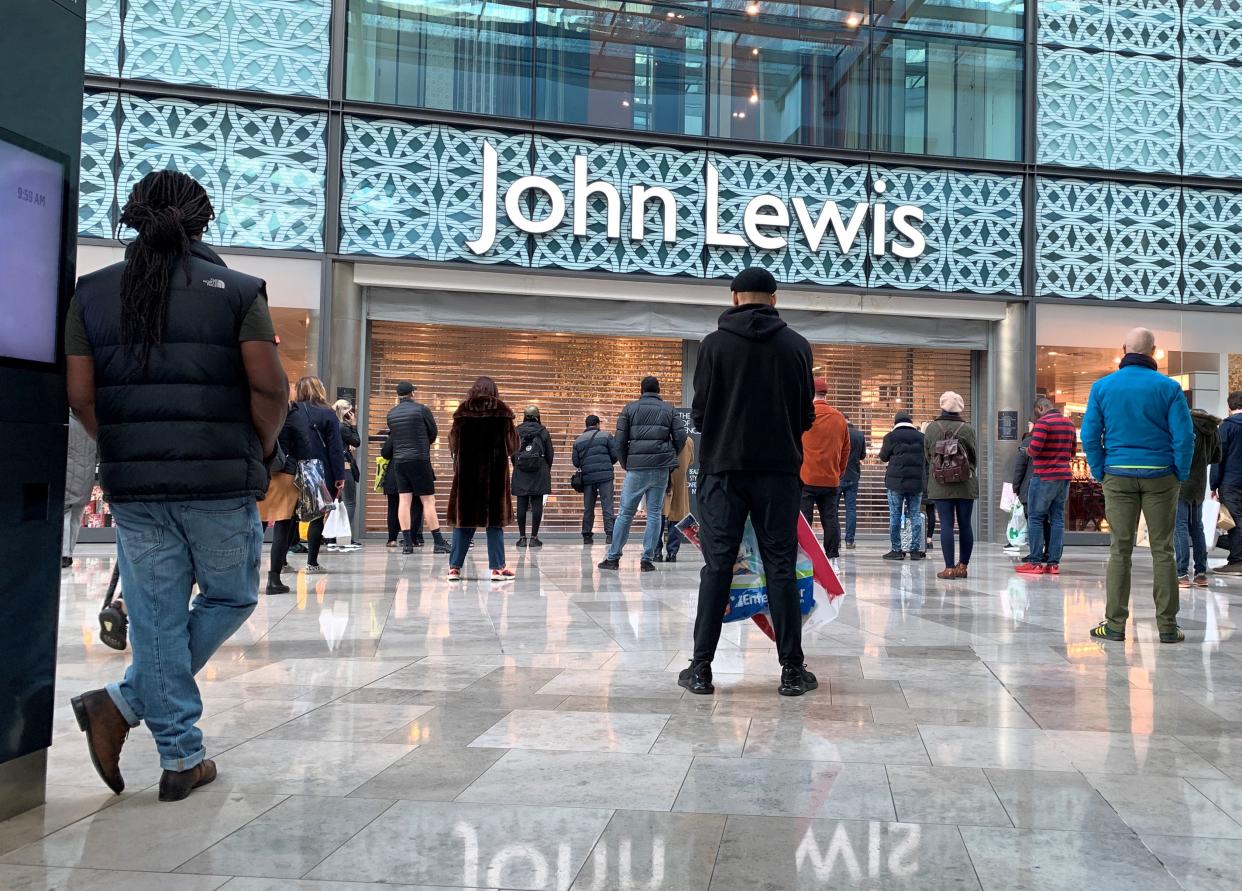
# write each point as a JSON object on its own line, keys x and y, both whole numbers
{"x": 337, "y": 524}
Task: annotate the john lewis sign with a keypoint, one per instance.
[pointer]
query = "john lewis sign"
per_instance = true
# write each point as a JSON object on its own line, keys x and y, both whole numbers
{"x": 766, "y": 222}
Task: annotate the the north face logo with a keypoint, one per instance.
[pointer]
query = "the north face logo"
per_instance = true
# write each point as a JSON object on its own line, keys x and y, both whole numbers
{"x": 214, "y": 283}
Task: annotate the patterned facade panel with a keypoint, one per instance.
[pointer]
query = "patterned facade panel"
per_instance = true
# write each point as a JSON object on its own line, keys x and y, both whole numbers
{"x": 973, "y": 226}
{"x": 1213, "y": 265}
{"x": 103, "y": 37}
{"x": 264, "y": 168}
{"x": 1072, "y": 237}
{"x": 269, "y": 46}
{"x": 416, "y": 191}
{"x": 1212, "y": 29}
{"x": 1213, "y": 119}
{"x": 1151, "y": 27}
{"x": 1144, "y": 103}
{"x": 742, "y": 177}
{"x": 817, "y": 183}
{"x": 1144, "y": 259}
{"x": 1081, "y": 23}
{"x": 97, "y": 186}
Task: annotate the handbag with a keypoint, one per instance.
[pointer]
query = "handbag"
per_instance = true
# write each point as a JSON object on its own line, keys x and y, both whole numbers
{"x": 336, "y": 525}
{"x": 381, "y": 473}
{"x": 314, "y": 499}
{"x": 576, "y": 481}
{"x": 1225, "y": 522}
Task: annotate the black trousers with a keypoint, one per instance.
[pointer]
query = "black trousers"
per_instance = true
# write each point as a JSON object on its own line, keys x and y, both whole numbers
{"x": 1231, "y": 497}
{"x": 771, "y": 501}
{"x": 533, "y": 504}
{"x": 601, "y": 492}
{"x": 825, "y": 498}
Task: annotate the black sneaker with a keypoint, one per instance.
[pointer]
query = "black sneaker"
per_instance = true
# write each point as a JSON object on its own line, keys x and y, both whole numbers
{"x": 1174, "y": 636}
{"x": 407, "y": 548}
{"x": 647, "y": 566}
{"x": 419, "y": 541}
{"x": 610, "y": 564}
{"x": 672, "y": 558}
{"x": 442, "y": 547}
{"x": 298, "y": 549}
{"x": 522, "y": 542}
{"x": 66, "y": 562}
{"x": 588, "y": 539}
{"x": 658, "y": 558}
{"x": 796, "y": 680}
{"x": 918, "y": 555}
{"x": 894, "y": 555}
{"x": 849, "y": 545}
{"x": 1103, "y": 632}
{"x": 697, "y": 678}
{"x": 535, "y": 542}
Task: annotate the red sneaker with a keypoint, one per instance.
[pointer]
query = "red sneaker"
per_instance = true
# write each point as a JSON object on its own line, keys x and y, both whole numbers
{"x": 1053, "y": 569}
{"x": 1030, "y": 568}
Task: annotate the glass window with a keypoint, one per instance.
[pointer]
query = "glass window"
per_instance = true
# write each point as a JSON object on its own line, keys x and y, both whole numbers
{"x": 469, "y": 56}
{"x": 998, "y": 19}
{"x": 637, "y": 66}
{"x": 943, "y": 97}
{"x": 780, "y": 80}
{"x": 849, "y": 13}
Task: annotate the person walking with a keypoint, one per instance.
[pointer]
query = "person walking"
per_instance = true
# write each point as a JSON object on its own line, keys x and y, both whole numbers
{"x": 173, "y": 369}
{"x": 482, "y": 442}
{"x": 650, "y": 436}
{"x": 1188, "y": 535}
{"x": 849, "y": 482}
{"x": 350, "y": 440}
{"x": 594, "y": 454}
{"x": 413, "y": 431}
{"x": 676, "y": 505}
{"x": 532, "y": 475}
{"x": 1051, "y": 449}
{"x": 1139, "y": 440}
{"x": 1227, "y": 480}
{"x": 903, "y": 451}
{"x": 280, "y": 505}
{"x": 951, "y": 449}
{"x": 328, "y": 448}
{"x": 80, "y": 462}
{"x": 825, "y": 456}
{"x": 753, "y": 400}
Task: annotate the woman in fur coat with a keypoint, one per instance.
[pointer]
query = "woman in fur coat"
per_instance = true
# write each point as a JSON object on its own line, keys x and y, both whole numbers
{"x": 482, "y": 441}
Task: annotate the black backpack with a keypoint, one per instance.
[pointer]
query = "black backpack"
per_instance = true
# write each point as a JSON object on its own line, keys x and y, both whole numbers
{"x": 950, "y": 464}
{"x": 530, "y": 457}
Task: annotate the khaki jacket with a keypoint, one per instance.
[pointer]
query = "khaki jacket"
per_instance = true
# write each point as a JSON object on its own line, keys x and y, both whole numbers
{"x": 677, "y": 501}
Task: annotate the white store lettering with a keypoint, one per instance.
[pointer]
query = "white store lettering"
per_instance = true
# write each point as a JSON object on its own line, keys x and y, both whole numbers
{"x": 765, "y": 220}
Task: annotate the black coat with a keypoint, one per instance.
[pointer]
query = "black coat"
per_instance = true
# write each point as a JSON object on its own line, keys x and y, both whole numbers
{"x": 533, "y": 482}
{"x": 390, "y": 476}
{"x": 753, "y": 393}
{"x": 413, "y": 430}
{"x": 858, "y": 451}
{"x": 595, "y": 452}
{"x": 649, "y": 434}
{"x": 902, "y": 450}
{"x": 295, "y": 439}
{"x": 1022, "y": 470}
{"x": 325, "y": 441}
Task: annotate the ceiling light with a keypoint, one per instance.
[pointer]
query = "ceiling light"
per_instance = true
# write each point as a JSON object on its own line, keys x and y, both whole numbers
{"x": 754, "y": 97}
{"x": 752, "y": 9}
{"x": 1159, "y": 355}
{"x": 853, "y": 20}
{"x": 741, "y": 114}
{"x": 672, "y": 15}
{"x": 1053, "y": 353}
{"x": 755, "y": 51}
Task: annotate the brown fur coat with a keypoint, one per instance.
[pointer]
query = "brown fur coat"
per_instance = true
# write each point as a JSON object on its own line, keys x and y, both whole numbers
{"x": 482, "y": 440}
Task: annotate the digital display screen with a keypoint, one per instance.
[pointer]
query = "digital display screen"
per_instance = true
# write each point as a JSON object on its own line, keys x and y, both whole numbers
{"x": 31, "y": 203}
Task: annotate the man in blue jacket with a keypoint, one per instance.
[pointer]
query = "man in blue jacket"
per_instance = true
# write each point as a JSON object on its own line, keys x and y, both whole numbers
{"x": 1139, "y": 439}
{"x": 1227, "y": 479}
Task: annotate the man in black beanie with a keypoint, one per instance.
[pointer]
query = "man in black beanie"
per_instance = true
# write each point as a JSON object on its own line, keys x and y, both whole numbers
{"x": 753, "y": 400}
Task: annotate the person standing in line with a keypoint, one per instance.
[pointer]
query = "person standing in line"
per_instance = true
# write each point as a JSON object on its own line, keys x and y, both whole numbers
{"x": 79, "y": 484}
{"x": 532, "y": 475}
{"x": 1053, "y": 443}
{"x": 903, "y": 451}
{"x": 676, "y": 505}
{"x": 482, "y": 441}
{"x": 951, "y": 449}
{"x": 594, "y": 454}
{"x": 413, "y": 430}
{"x": 753, "y": 400}
{"x": 280, "y": 505}
{"x": 1227, "y": 480}
{"x": 1189, "y": 536}
{"x": 329, "y": 449}
{"x": 650, "y": 436}
{"x": 850, "y": 480}
{"x": 173, "y": 369}
{"x": 350, "y": 440}
{"x": 825, "y": 456}
{"x": 929, "y": 506}
{"x": 1139, "y": 440}
{"x": 1020, "y": 479}
{"x": 393, "y": 498}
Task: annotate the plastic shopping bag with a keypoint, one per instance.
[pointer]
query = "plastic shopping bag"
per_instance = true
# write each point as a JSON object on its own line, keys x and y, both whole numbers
{"x": 314, "y": 499}
{"x": 819, "y": 589}
{"x": 1016, "y": 533}
{"x": 336, "y": 525}
{"x": 1008, "y": 498}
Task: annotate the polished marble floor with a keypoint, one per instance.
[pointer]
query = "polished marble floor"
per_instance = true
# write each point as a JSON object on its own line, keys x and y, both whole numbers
{"x": 381, "y": 726}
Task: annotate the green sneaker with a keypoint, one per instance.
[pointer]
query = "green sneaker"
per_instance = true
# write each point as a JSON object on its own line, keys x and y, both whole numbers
{"x": 1174, "y": 636}
{"x": 1103, "y": 632}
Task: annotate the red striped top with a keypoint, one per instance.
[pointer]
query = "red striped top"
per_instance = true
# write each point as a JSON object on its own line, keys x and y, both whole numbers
{"x": 1053, "y": 443}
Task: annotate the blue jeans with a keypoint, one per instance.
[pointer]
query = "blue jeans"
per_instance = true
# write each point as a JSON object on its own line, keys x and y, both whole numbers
{"x": 849, "y": 496}
{"x": 909, "y": 506}
{"x": 462, "y": 537}
{"x": 1046, "y": 522}
{"x": 163, "y": 549}
{"x": 1188, "y": 534}
{"x": 639, "y": 484}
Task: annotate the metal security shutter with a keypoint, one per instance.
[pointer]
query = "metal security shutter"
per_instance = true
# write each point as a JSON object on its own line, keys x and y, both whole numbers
{"x": 567, "y": 375}
{"x": 869, "y": 384}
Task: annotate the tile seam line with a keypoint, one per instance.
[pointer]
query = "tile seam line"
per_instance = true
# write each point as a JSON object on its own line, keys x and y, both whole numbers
{"x": 391, "y": 804}
{"x": 282, "y": 799}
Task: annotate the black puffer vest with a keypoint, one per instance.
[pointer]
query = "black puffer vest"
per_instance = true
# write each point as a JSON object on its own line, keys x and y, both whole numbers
{"x": 180, "y": 429}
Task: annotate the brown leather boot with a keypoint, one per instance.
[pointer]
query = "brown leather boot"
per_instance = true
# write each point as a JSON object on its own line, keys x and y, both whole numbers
{"x": 178, "y": 784}
{"x": 961, "y": 570}
{"x": 106, "y": 729}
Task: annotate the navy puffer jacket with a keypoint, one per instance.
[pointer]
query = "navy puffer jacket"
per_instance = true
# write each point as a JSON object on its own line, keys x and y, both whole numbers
{"x": 649, "y": 434}
{"x": 594, "y": 454}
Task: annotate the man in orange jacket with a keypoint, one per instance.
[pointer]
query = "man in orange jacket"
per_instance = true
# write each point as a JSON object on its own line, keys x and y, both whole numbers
{"x": 825, "y": 454}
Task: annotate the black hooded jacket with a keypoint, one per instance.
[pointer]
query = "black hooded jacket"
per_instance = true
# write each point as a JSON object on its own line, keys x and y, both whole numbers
{"x": 753, "y": 393}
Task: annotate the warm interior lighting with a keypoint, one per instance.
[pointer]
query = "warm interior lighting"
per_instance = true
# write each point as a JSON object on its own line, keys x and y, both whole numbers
{"x": 752, "y": 9}
{"x": 1160, "y": 354}
{"x": 1053, "y": 353}
{"x": 755, "y": 51}
{"x": 853, "y": 20}
{"x": 625, "y": 103}
{"x": 754, "y": 97}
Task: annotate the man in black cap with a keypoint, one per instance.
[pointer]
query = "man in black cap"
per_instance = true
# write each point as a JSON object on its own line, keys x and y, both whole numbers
{"x": 753, "y": 400}
{"x": 413, "y": 430}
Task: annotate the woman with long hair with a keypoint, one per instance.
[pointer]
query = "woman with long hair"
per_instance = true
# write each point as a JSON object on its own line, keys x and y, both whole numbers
{"x": 328, "y": 448}
{"x": 482, "y": 441}
{"x": 347, "y": 417}
{"x": 281, "y": 503}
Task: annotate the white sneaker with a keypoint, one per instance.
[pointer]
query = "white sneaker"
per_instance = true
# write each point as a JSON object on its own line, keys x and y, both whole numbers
{"x": 503, "y": 575}
{"x": 349, "y": 547}
{"x": 332, "y": 549}
{"x": 835, "y": 563}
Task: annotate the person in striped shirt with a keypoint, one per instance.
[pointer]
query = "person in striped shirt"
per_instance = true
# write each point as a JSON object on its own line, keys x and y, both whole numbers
{"x": 1052, "y": 446}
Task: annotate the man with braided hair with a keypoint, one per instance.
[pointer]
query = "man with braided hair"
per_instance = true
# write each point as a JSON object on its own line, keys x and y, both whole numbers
{"x": 173, "y": 368}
